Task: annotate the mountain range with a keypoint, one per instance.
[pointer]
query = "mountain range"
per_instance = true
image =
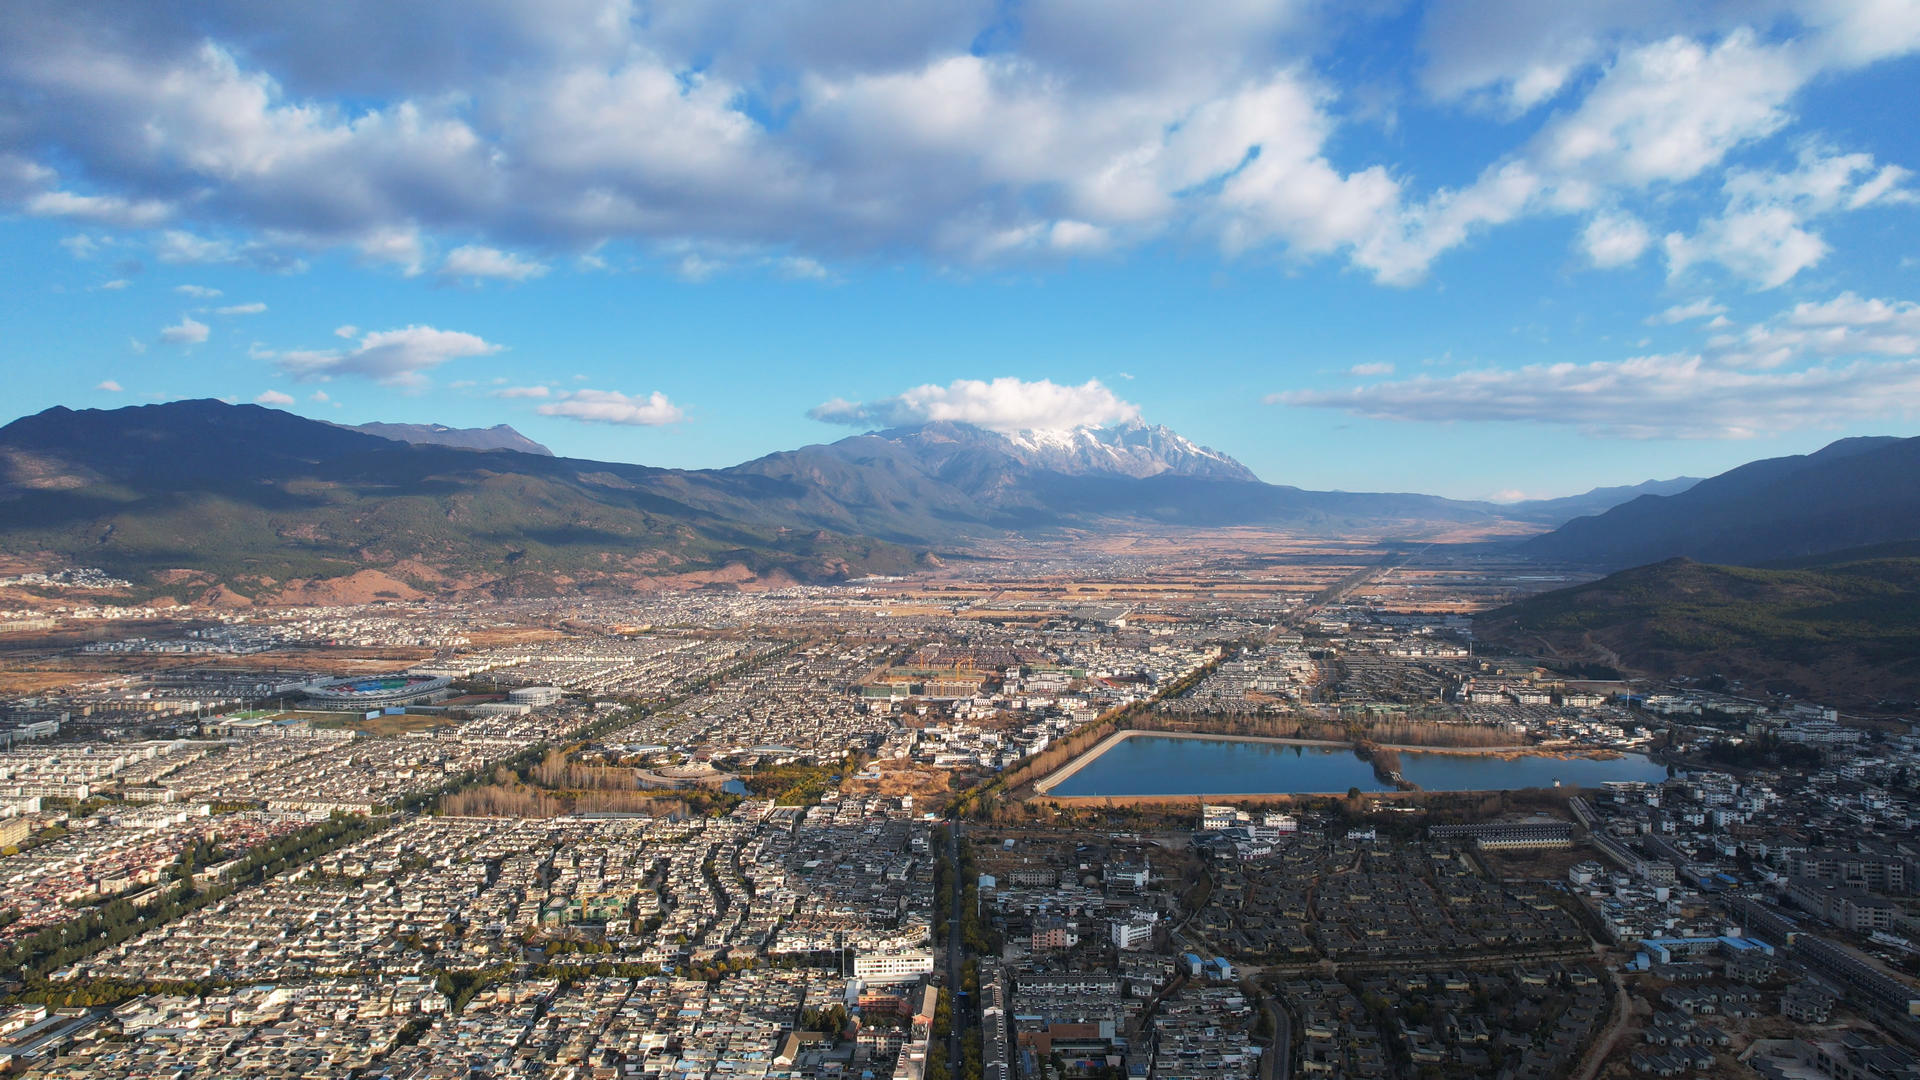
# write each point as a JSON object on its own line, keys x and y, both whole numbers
{"x": 1851, "y": 493}
{"x": 497, "y": 437}
{"x": 240, "y": 501}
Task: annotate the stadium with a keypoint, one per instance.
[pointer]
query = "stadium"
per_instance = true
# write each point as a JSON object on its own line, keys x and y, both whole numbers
{"x": 374, "y": 692}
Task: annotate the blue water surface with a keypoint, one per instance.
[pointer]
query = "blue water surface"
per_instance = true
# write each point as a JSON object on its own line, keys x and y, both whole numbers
{"x": 1157, "y": 765}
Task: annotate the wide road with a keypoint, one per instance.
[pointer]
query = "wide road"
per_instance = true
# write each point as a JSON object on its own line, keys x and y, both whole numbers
{"x": 960, "y": 1010}
{"x": 1277, "y": 1064}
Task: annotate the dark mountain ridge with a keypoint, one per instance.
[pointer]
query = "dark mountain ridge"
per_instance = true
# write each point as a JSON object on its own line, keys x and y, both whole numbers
{"x": 1596, "y": 501}
{"x": 1849, "y": 494}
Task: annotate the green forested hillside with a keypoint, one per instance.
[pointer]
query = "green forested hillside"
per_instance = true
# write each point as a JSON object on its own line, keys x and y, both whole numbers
{"x": 1845, "y": 629}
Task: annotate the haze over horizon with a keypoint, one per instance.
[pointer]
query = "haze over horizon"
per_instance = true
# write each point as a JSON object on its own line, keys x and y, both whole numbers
{"x": 1479, "y": 250}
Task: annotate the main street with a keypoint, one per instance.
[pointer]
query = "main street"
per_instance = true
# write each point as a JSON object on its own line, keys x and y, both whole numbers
{"x": 960, "y": 1011}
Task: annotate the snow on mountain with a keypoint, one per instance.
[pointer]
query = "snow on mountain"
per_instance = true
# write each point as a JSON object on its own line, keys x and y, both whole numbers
{"x": 1134, "y": 449}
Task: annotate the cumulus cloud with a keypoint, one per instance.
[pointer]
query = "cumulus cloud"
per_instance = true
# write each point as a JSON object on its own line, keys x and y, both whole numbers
{"x": 81, "y": 246}
{"x": 1003, "y": 404}
{"x": 1614, "y": 239}
{"x": 1818, "y": 364}
{"x": 1515, "y": 55}
{"x": 105, "y": 209}
{"x": 614, "y": 407}
{"x": 109, "y": 386}
{"x": 185, "y": 332}
{"x": 476, "y": 261}
{"x": 399, "y": 246}
{"x": 273, "y": 397}
{"x": 389, "y": 357}
{"x": 1847, "y": 325}
{"x": 1767, "y": 246}
{"x": 1704, "y": 308}
{"x": 1763, "y": 234}
{"x": 958, "y": 132}
{"x": 254, "y": 308}
{"x": 180, "y": 246}
{"x": 801, "y": 268}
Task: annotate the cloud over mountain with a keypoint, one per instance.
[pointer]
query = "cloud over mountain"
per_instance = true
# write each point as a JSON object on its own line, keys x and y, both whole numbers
{"x": 390, "y": 357}
{"x": 614, "y": 407}
{"x": 1004, "y": 404}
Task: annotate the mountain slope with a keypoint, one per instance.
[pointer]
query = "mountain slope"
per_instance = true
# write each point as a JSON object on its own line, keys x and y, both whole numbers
{"x": 254, "y": 499}
{"x": 1132, "y": 449}
{"x": 265, "y": 502}
{"x": 497, "y": 437}
{"x": 1845, "y": 631}
{"x": 1852, "y": 493}
{"x": 949, "y": 480}
{"x": 1597, "y": 501}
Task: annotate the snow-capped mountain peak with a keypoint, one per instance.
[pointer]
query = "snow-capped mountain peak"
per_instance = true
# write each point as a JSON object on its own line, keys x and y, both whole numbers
{"x": 1133, "y": 449}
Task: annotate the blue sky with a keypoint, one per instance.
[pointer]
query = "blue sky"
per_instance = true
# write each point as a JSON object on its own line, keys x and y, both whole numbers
{"x": 1480, "y": 249}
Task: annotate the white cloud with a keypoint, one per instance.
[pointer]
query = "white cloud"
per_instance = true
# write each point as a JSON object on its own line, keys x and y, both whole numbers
{"x": 697, "y": 268}
{"x": 400, "y": 246}
{"x": 1645, "y": 397}
{"x": 199, "y": 291}
{"x": 614, "y": 407}
{"x": 254, "y": 308}
{"x": 1371, "y": 370}
{"x": 185, "y": 332}
{"x": 109, "y": 386}
{"x": 1762, "y": 235}
{"x": 523, "y": 392}
{"x": 115, "y": 285}
{"x": 180, "y": 246}
{"x": 1704, "y": 308}
{"x": 1614, "y": 239}
{"x": 349, "y": 331}
{"x": 1518, "y": 54}
{"x": 801, "y": 268}
{"x": 956, "y": 132}
{"x": 1003, "y": 404}
{"x": 319, "y": 397}
{"x": 80, "y": 245}
{"x": 1821, "y": 364}
{"x": 273, "y": 397}
{"x": 1845, "y": 326}
{"x": 1765, "y": 246}
{"x": 389, "y": 357}
{"x": 105, "y": 209}
{"x": 1670, "y": 109}
{"x": 1078, "y": 236}
{"x": 475, "y": 261}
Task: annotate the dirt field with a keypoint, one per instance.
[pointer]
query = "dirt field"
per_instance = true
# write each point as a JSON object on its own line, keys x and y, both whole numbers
{"x": 379, "y": 725}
